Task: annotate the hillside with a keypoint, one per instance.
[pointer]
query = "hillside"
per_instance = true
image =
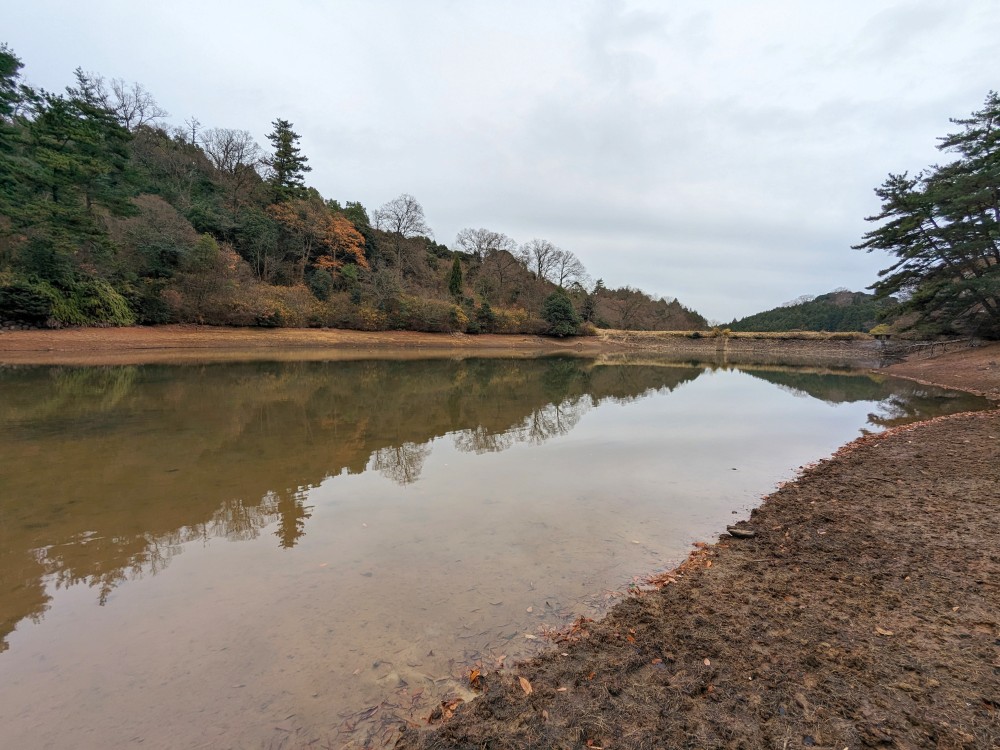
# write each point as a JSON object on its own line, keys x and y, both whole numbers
{"x": 840, "y": 310}
{"x": 109, "y": 216}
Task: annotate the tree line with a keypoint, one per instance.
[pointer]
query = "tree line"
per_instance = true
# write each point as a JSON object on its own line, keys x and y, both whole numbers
{"x": 109, "y": 216}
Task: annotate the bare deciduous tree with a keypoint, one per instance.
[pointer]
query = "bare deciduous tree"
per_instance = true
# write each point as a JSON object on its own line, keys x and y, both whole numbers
{"x": 500, "y": 265}
{"x": 403, "y": 216}
{"x": 628, "y": 306}
{"x": 238, "y": 157}
{"x": 131, "y": 103}
{"x": 567, "y": 270}
{"x": 539, "y": 256}
{"x": 231, "y": 150}
{"x": 482, "y": 242}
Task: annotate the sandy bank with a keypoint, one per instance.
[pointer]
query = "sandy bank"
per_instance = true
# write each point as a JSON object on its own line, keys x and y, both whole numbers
{"x": 183, "y": 343}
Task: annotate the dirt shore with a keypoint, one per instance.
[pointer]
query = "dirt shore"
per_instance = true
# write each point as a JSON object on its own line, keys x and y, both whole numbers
{"x": 863, "y": 613}
{"x": 973, "y": 369}
{"x": 187, "y": 343}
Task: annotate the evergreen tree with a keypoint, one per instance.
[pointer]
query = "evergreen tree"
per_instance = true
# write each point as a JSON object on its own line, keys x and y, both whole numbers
{"x": 12, "y": 162}
{"x": 943, "y": 226}
{"x": 10, "y": 74}
{"x": 558, "y": 312}
{"x": 455, "y": 279}
{"x": 288, "y": 165}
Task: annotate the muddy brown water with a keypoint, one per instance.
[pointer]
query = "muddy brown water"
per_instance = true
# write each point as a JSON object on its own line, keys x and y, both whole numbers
{"x": 310, "y": 554}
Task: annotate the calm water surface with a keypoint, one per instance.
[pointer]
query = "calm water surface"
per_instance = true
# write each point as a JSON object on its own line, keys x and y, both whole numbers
{"x": 273, "y": 555}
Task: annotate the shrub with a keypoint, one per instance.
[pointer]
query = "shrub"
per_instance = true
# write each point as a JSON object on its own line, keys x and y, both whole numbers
{"x": 486, "y": 318}
{"x": 510, "y": 320}
{"x": 558, "y": 312}
{"x": 99, "y": 302}
{"x": 26, "y": 301}
{"x": 371, "y": 318}
{"x": 457, "y": 318}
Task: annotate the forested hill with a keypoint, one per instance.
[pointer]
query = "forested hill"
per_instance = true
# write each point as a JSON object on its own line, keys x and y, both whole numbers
{"x": 109, "y": 216}
{"x": 840, "y": 310}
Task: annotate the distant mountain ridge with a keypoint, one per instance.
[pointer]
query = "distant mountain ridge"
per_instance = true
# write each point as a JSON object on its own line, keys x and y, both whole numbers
{"x": 839, "y": 310}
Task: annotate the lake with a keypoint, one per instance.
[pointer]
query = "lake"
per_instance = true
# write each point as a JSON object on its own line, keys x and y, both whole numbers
{"x": 278, "y": 554}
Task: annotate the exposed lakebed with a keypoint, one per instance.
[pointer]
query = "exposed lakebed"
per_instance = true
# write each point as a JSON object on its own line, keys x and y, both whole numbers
{"x": 246, "y": 555}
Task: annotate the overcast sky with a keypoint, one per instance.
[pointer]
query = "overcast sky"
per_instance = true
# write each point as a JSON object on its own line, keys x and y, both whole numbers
{"x": 721, "y": 152}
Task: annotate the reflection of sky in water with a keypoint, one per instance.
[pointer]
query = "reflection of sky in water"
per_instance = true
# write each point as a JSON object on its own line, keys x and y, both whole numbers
{"x": 317, "y": 602}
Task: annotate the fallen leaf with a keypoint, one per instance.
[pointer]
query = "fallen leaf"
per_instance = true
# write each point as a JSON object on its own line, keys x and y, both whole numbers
{"x": 657, "y": 660}
{"x": 708, "y": 564}
{"x": 474, "y": 678}
{"x": 561, "y": 690}
{"x": 530, "y": 609}
{"x": 531, "y": 637}
{"x": 525, "y": 686}
{"x": 882, "y": 631}
{"x": 545, "y": 715}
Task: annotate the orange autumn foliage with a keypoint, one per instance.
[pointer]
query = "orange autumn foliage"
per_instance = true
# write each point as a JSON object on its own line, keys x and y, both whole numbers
{"x": 326, "y": 239}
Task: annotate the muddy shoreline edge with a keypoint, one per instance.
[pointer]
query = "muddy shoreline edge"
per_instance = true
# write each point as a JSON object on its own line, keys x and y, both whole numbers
{"x": 862, "y": 613}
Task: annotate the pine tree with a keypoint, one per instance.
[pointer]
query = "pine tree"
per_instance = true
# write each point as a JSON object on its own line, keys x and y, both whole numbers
{"x": 455, "y": 279}
{"x": 558, "y": 312}
{"x": 943, "y": 226}
{"x": 288, "y": 165}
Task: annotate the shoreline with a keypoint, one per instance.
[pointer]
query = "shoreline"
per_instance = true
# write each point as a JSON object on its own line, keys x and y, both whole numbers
{"x": 190, "y": 343}
{"x": 864, "y": 612}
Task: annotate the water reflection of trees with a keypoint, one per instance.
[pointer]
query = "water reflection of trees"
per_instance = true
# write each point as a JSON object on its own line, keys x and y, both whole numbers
{"x": 481, "y": 440}
{"x": 107, "y": 473}
{"x": 150, "y": 459}
{"x": 897, "y": 401}
{"x": 401, "y": 463}
{"x": 552, "y": 420}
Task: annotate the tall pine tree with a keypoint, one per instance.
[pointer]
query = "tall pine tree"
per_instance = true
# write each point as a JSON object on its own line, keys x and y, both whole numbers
{"x": 288, "y": 165}
{"x": 943, "y": 226}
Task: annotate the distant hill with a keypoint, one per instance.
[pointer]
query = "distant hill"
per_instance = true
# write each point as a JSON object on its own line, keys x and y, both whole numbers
{"x": 839, "y": 310}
